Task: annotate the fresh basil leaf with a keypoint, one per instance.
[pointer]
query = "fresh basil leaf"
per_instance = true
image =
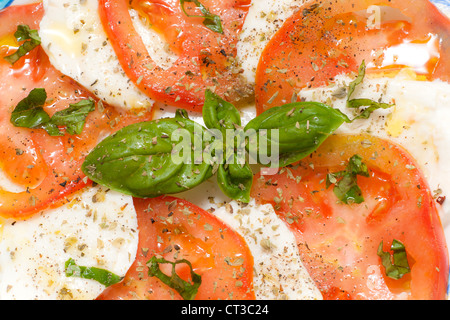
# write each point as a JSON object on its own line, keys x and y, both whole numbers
{"x": 301, "y": 128}
{"x": 397, "y": 268}
{"x": 235, "y": 181}
{"x": 74, "y": 117}
{"x": 29, "y": 113}
{"x": 139, "y": 160}
{"x": 345, "y": 183}
{"x": 219, "y": 114}
{"x": 102, "y": 276}
{"x": 211, "y": 21}
{"x": 187, "y": 290}
{"x": 31, "y": 38}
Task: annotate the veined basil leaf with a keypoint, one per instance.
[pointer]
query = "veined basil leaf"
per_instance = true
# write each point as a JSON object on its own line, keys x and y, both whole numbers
{"x": 102, "y": 276}
{"x": 397, "y": 268}
{"x": 143, "y": 159}
{"x": 211, "y": 21}
{"x": 301, "y": 128}
{"x": 74, "y": 117}
{"x": 31, "y": 38}
{"x": 219, "y": 114}
{"x": 29, "y": 113}
{"x": 346, "y": 188}
{"x": 187, "y": 290}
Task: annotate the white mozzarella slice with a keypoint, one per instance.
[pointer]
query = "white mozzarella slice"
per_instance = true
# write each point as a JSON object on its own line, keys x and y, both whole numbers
{"x": 278, "y": 270}
{"x": 279, "y": 273}
{"x": 97, "y": 229}
{"x": 263, "y": 20}
{"x": 418, "y": 122}
{"x": 73, "y": 38}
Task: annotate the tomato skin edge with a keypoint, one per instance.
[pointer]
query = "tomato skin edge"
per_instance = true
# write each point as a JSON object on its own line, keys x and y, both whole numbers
{"x": 429, "y": 276}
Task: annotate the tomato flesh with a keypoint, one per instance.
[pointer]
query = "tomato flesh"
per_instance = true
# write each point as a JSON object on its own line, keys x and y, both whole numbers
{"x": 176, "y": 229}
{"x": 338, "y": 243}
{"x": 329, "y": 38}
{"x": 47, "y": 168}
{"x": 205, "y": 58}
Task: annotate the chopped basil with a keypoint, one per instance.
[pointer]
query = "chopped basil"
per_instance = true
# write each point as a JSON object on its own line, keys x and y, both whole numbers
{"x": 74, "y": 117}
{"x": 372, "y": 106}
{"x": 211, "y": 21}
{"x": 400, "y": 266}
{"x": 29, "y": 113}
{"x": 346, "y": 188}
{"x": 186, "y": 289}
{"x": 359, "y": 79}
{"x": 102, "y": 276}
{"x": 31, "y": 38}
{"x": 358, "y": 103}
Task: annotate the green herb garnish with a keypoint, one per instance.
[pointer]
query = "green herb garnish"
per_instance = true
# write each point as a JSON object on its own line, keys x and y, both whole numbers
{"x": 346, "y": 188}
{"x": 235, "y": 178}
{"x": 211, "y": 21}
{"x": 74, "y": 117}
{"x": 30, "y": 113}
{"x": 31, "y": 38}
{"x": 358, "y": 103}
{"x": 397, "y": 265}
{"x": 359, "y": 79}
{"x": 102, "y": 276}
{"x": 187, "y": 289}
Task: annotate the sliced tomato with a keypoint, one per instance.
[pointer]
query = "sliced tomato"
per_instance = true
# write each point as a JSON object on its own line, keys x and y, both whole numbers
{"x": 175, "y": 229}
{"x": 205, "y": 58}
{"x": 46, "y": 168}
{"x": 338, "y": 242}
{"x": 327, "y": 38}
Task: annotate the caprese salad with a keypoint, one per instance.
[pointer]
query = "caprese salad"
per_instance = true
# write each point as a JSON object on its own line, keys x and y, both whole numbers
{"x": 233, "y": 149}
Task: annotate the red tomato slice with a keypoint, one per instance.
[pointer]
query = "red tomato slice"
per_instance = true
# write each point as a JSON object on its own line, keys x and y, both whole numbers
{"x": 328, "y": 38}
{"x": 205, "y": 58}
{"x": 47, "y": 168}
{"x": 338, "y": 243}
{"x": 176, "y": 229}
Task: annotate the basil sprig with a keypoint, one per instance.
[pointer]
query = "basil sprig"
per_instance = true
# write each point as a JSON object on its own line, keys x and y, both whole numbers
{"x": 30, "y": 113}
{"x": 187, "y": 290}
{"x": 235, "y": 177}
{"x": 345, "y": 183}
{"x": 102, "y": 276}
{"x": 397, "y": 266}
{"x": 138, "y": 159}
{"x": 211, "y": 21}
{"x": 31, "y": 38}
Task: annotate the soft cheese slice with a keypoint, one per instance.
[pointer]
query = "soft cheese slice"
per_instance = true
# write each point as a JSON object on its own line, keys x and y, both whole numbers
{"x": 73, "y": 38}
{"x": 98, "y": 228}
{"x": 278, "y": 270}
